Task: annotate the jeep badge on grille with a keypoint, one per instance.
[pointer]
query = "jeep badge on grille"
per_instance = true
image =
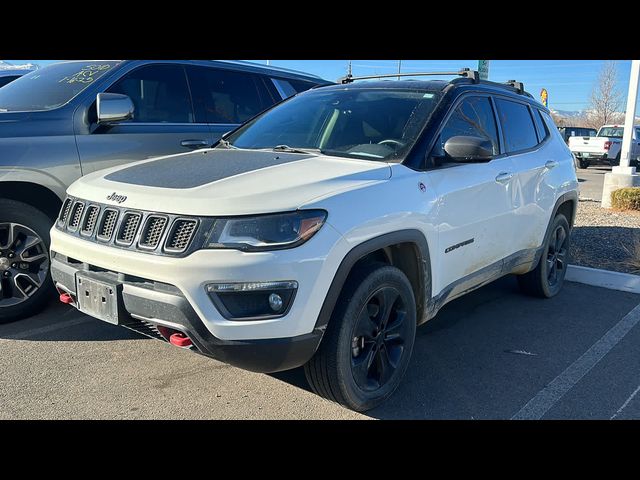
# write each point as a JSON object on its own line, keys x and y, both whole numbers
{"x": 117, "y": 198}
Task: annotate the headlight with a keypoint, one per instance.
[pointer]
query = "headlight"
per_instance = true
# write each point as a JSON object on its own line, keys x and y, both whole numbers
{"x": 266, "y": 232}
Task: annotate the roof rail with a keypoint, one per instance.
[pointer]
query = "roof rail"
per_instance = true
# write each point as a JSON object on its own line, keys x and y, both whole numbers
{"x": 465, "y": 72}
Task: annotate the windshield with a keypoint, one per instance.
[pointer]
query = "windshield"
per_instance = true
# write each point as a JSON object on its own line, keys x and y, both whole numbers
{"x": 52, "y": 86}
{"x": 615, "y": 132}
{"x": 373, "y": 124}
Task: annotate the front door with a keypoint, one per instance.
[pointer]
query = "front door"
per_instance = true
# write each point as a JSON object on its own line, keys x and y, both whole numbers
{"x": 164, "y": 122}
{"x": 475, "y": 209}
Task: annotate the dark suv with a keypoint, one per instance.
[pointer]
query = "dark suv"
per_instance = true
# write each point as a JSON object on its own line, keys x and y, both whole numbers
{"x": 72, "y": 118}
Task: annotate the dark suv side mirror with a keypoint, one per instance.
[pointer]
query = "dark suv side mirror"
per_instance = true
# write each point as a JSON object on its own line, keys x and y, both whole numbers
{"x": 113, "y": 107}
{"x": 471, "y": 149}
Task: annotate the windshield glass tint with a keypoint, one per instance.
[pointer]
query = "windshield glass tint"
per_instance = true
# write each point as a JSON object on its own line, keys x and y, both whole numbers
{"x": 373, "y": 124}
{"x": 615, "y": 132}
{"x": 52, "y": 86}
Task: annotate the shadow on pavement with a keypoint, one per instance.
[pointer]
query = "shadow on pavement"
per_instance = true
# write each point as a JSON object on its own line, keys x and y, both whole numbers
{"x": 488, "y": 353}
{"x": 62, "y": 323}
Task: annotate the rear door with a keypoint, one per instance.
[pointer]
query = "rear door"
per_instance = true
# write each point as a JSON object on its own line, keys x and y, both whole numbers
{"x": 527, "y": 144}
{"x": 475, "y": 211}
{"x": 224, "y": 99}
{"x": 164, "y": 120}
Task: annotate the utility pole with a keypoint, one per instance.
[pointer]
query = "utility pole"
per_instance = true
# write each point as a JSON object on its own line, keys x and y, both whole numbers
{"x": 349, "y": 68}
{"x": 625, "y": 152}
{"x": 268, "y": 62}
{"x": 399, "y": 67}
{"x": 623, "y": 175}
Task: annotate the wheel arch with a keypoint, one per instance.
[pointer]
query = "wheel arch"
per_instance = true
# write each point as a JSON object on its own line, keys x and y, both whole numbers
{"x": 406, "y": 249}
{"x": 36, "y": 195}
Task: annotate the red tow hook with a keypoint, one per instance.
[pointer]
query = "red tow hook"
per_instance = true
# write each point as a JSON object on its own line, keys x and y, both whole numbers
{"x": 66, "y": 298}
{"x": 180, "y": 340}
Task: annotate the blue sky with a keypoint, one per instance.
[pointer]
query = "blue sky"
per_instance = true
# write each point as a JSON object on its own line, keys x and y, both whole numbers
{"x": 569, "y": 82}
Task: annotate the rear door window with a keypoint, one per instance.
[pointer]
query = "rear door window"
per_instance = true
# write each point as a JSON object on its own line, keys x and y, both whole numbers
{"x": 541, "y": 128}
{"x": 517, "y": 125}
{"x": 226, "y": 96}
{"x": 159, "y": 93}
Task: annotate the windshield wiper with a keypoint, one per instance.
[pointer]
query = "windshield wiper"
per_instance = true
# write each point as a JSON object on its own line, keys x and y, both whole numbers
{"x": 287, "y": 148}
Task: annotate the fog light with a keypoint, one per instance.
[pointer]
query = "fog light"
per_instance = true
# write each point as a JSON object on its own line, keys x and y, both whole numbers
{"x": 275, "y": 302}
{"x": 253, "y": 300}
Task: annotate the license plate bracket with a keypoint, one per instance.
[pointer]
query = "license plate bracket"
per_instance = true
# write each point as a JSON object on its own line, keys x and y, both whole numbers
{"x": 98, "y": 298}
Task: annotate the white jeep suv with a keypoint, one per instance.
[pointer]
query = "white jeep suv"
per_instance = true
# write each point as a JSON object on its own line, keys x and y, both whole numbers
{"x": 324, "y": 230}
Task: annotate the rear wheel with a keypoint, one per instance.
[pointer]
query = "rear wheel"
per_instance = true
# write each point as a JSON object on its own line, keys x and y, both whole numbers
{"x": 547, "y": 278}
{"x": 368, "y": 343}
{"x": 25, "y": 283}
{"x": 583, "y": 163}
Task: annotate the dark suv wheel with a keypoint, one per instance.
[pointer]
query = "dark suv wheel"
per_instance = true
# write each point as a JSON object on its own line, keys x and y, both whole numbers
{"x": 547, "y": 278}
{"x": 367, "y": 346}
{"x": 25, "y": 283}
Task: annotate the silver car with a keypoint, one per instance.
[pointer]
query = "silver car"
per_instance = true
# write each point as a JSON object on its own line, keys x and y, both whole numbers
{"x": 68, "y": 119}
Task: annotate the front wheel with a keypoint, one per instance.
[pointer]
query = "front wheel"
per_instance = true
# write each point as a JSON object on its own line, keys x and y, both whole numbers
{"x": 25, "y": 283}
{"x": 368, "y": 343}
{"x": 547, "y": 278}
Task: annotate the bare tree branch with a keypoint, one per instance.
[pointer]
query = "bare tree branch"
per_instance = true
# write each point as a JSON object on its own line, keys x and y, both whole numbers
{"x": 606, "y": 99}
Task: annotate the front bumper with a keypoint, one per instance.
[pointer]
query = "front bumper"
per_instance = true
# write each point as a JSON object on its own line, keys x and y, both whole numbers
{"x": 151, "y": 306}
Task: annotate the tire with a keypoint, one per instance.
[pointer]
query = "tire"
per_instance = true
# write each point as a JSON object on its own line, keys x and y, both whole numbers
{"x": 542, "y": 281}
{"x": 583, "y": 164}
{"x": 25, "y": 285}
{"x": 338, "y": 370}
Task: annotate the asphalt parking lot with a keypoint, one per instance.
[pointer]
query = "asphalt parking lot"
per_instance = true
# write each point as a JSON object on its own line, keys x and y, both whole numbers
{"x": 591, "y": 181}
{"x": 493, "y": 354}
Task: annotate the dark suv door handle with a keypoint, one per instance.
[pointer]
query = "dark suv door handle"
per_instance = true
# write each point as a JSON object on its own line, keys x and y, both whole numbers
{"x": 197, "y": 143}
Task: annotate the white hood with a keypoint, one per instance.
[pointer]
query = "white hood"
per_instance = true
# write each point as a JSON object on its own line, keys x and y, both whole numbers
{"x": 215, "y": 182}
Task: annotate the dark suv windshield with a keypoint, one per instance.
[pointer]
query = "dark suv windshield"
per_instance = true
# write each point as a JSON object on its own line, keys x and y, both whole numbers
{"x": 52, "y": 86}
{"x": 373, "y": 124}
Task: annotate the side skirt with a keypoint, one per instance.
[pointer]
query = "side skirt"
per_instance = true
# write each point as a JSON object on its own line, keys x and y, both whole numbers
{"x": 519, "y": 262}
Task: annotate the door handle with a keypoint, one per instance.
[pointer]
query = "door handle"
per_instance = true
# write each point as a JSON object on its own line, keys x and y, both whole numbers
{"x": 551, "y": 164}
{"x": 197, "y": 143}
{"x": 504, "y": 177}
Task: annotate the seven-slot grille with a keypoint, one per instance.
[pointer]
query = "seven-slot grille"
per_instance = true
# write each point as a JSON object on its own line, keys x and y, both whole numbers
{"x": 152, "y": 231}
{"x": 107, "y": 225}
{"x": 90, "y": 220}
{"x": 125, "y": 228}
{"x": 128, "y": 228}
{"x": 180, "y": 235}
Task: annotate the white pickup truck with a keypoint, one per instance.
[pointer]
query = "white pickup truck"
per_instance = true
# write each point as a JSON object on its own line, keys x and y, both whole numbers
{"x": 604, "y": 147}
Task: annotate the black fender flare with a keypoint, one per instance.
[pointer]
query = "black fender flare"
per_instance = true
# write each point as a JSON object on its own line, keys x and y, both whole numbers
{"x": 358, "y": 252}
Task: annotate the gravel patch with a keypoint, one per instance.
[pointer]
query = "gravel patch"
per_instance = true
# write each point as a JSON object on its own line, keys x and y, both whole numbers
{"x": 606, "y": 239}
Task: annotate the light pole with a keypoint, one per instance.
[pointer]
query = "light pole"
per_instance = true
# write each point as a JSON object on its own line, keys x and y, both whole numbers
{"x": 623, "y": 175}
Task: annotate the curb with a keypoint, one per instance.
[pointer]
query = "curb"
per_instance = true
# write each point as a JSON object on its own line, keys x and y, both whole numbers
{"x": 624, "y": 282}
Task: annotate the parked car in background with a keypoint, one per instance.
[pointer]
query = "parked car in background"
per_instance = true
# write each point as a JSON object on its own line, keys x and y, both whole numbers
{"x": 72, "y": 118}
{"x": 604, "y": 147}
{"x": 324, "y": 230}
{"x": 9, "y": 75}
{"x": 568, "y": 132}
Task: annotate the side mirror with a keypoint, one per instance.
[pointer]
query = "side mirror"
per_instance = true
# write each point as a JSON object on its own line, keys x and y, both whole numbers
{"x": 113, "y": 107}
{"x": 466, "y": 148}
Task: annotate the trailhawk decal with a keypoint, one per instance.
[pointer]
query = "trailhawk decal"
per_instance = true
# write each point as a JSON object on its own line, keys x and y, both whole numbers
{"x": 458, "y": 245}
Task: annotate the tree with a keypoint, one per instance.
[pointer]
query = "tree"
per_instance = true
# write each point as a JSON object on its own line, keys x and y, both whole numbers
{"x": 606, "y": 99}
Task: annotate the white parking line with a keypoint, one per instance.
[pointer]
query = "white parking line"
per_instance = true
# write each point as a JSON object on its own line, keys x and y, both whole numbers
{"x": 49, "y": 328}
{"x": 554, "y": 391}
{"x": 624, "y": 405}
